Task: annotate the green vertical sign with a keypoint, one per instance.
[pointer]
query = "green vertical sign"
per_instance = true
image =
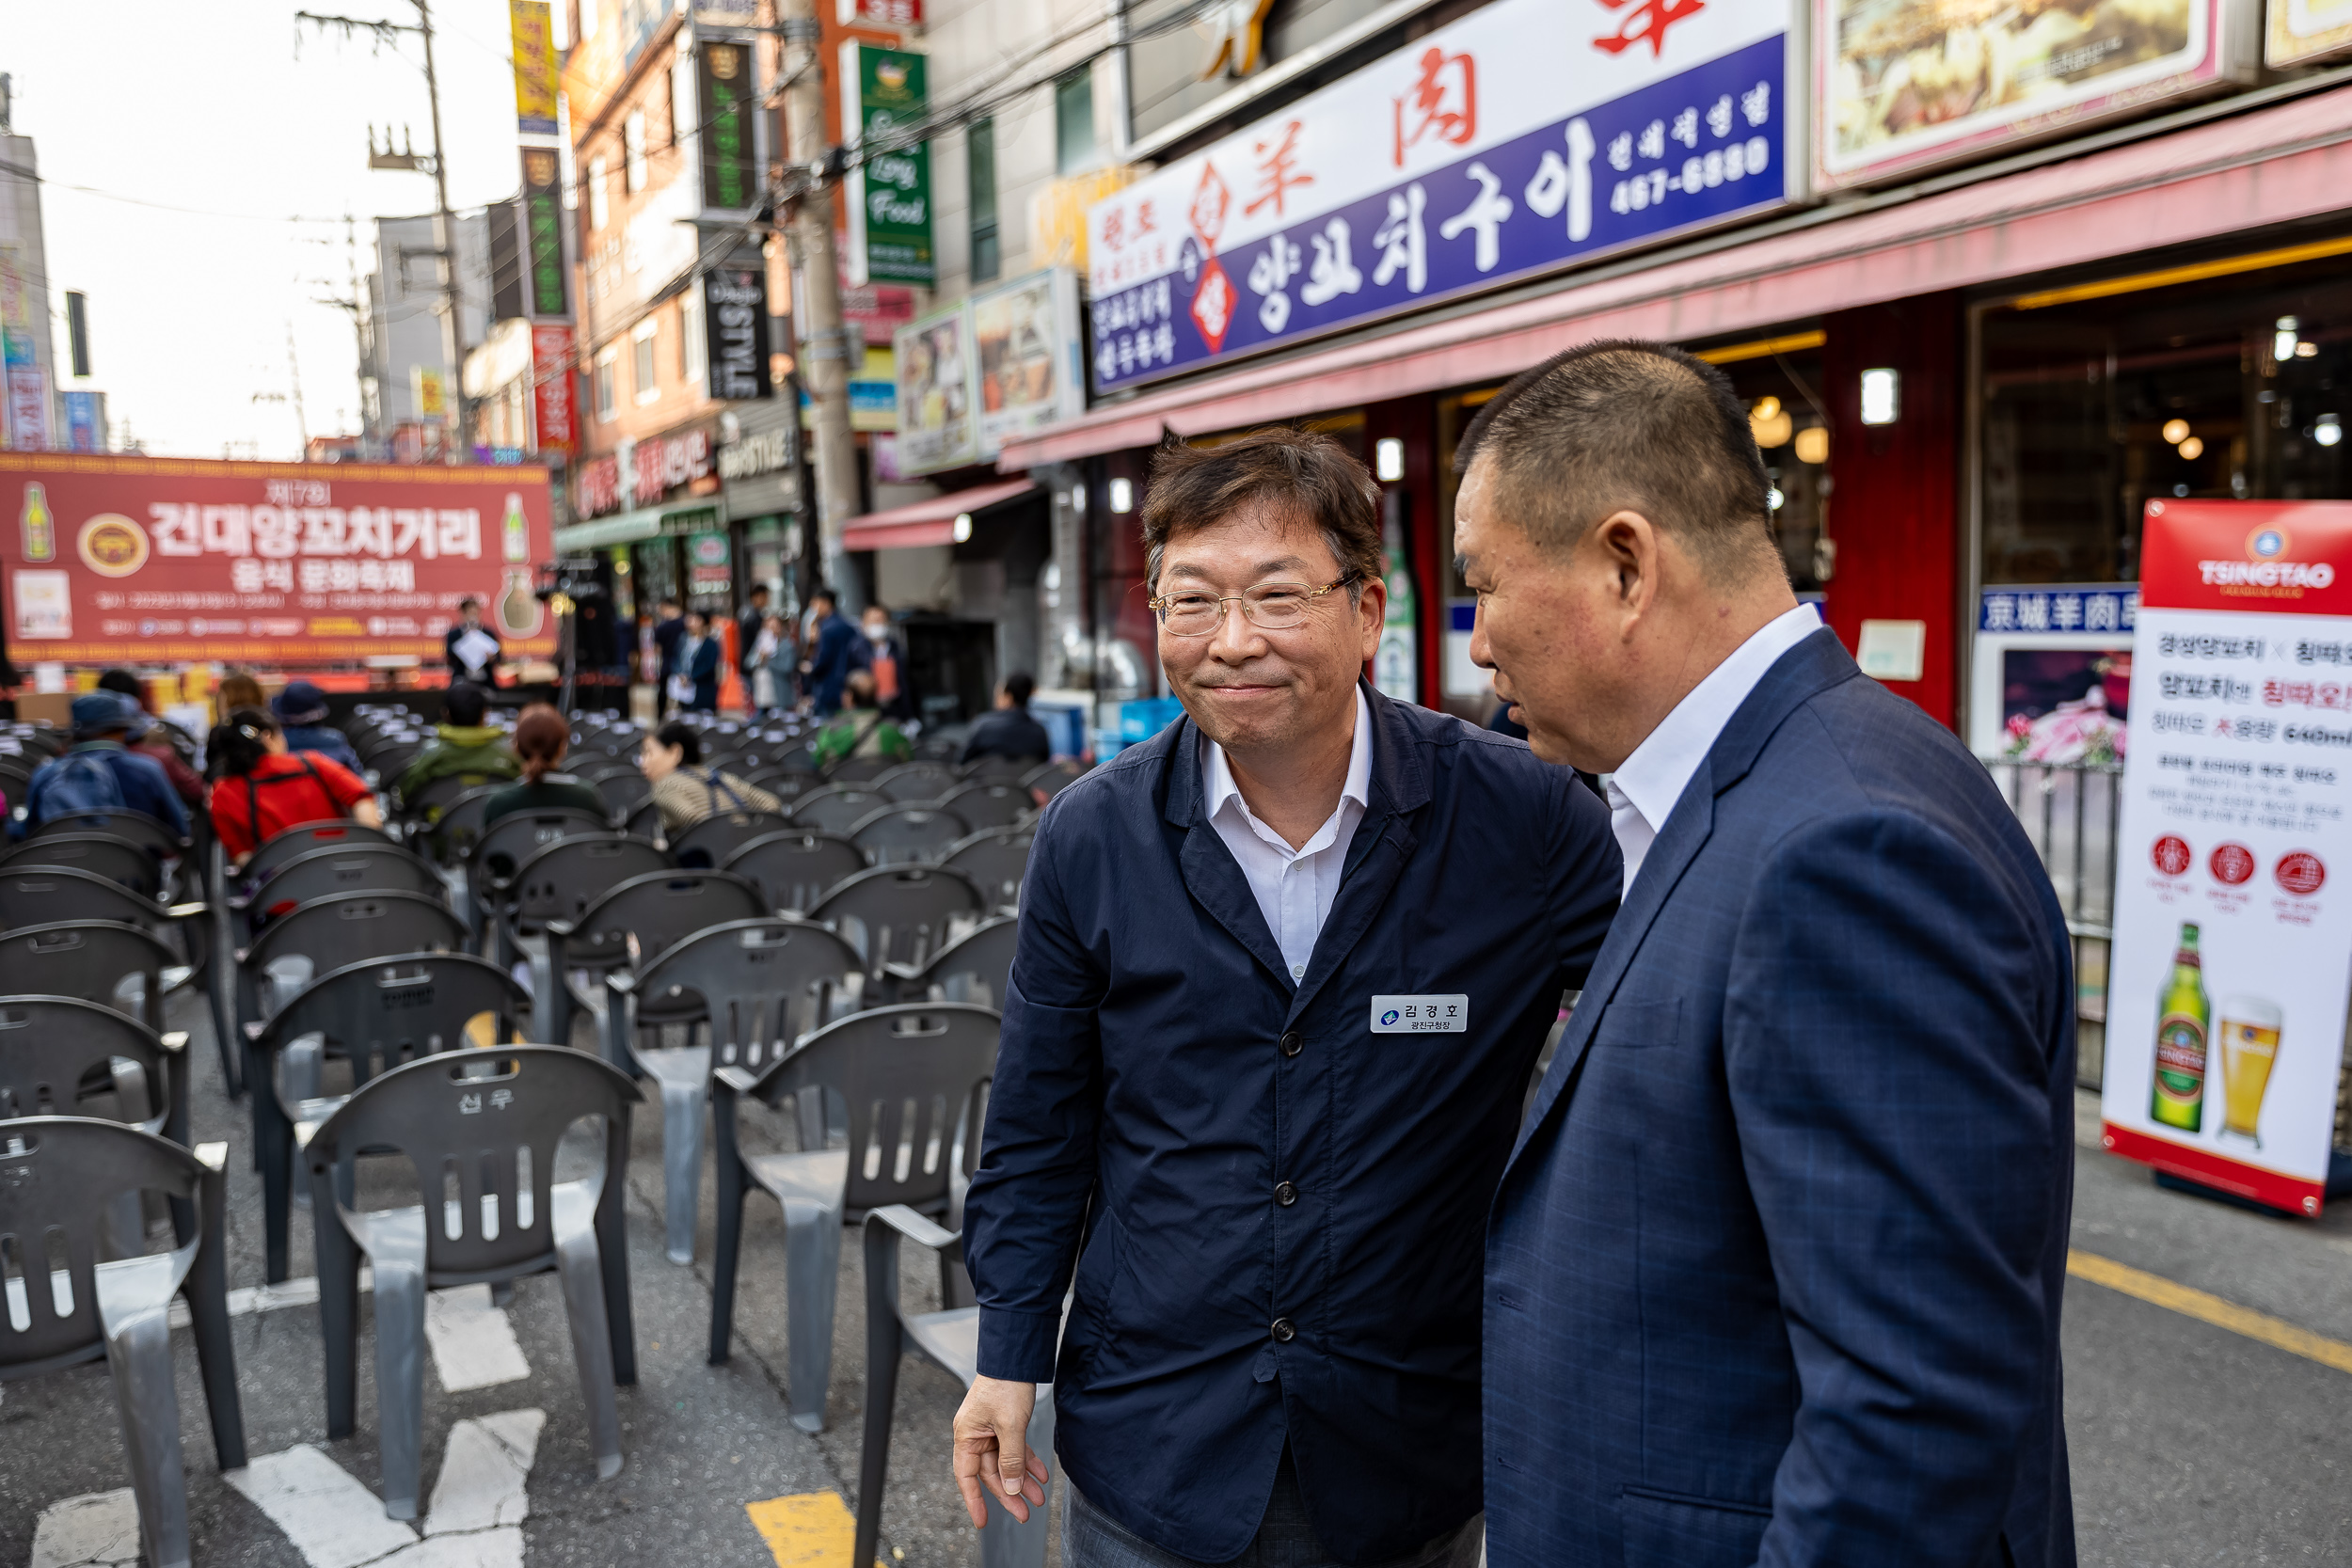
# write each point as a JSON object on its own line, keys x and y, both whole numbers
{"x": 890, "y": 189}
{"x": 543, "y": 232}
{"x": 728, "y": 165}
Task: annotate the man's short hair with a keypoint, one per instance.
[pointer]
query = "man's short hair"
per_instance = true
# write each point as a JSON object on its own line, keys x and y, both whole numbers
{"x": 469, "y": 603}
{"x": 1018, "y": 685}
{"x": 1623, "y": 424}
{"x": 757, "y": 591}
{"x": 824, "y": 595}
{"x": 1308, "y": 475}
{"x": 463, "y": 705}
{"x": 859, "y": 683}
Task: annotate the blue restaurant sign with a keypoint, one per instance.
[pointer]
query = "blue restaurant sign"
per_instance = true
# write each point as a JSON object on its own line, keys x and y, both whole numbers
{"x": 1530, "y": 135}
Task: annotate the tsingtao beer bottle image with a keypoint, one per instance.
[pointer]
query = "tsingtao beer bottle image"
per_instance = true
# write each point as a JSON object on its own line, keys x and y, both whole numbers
{"x": 40, "y": 528}
{"x": 2184, "y": 1020}
{"x": 513, "y": 530}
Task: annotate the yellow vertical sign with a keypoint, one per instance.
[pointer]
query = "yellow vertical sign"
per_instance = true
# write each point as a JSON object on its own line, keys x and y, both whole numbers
{"x": 534, "y": 35}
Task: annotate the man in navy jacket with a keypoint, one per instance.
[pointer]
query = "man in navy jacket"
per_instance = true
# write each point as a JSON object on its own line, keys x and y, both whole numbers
{"x": 1283, "y": 972}
{"x": 1774, "y": 1274}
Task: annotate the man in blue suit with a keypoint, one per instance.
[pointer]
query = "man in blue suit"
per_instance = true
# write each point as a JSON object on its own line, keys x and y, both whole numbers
{"x": 1774, "y": 1275}
{"x": 1282, "y": 974}
{"x": 832, "y": 652}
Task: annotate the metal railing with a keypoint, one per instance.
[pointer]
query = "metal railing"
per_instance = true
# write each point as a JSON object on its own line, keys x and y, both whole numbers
{"x": 2070, "y": 810}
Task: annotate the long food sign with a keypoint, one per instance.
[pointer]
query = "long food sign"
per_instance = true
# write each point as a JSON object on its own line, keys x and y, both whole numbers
{"x": 1529, "y": 133}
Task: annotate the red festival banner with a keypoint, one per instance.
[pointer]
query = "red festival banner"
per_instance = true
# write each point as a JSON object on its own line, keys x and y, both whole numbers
{"x": 147, "y": 559}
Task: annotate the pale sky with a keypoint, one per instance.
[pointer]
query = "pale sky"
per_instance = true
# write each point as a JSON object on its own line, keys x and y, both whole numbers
{"x": 223, "y": 107}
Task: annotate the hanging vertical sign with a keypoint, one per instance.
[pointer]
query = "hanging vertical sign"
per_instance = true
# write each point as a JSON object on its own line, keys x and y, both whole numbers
{"x": 2233, "y": 954}
{"x": 543, "y": 233}
{"x": 729, "y": 164}
{"x": 735, "y": 327}
{"x": 533, "y": 38}
{"x": 889, "y": 193}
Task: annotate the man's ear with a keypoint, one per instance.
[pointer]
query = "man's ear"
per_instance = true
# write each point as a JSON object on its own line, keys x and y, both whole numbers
{"x": 1630, "y": 545}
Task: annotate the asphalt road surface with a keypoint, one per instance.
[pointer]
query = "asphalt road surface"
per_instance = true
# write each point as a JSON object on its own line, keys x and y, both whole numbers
{"x": 2192, "y": 1443}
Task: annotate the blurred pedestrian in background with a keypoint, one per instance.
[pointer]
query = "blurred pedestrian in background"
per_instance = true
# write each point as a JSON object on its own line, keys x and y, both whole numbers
{"x": 685, "y": 791}
{"x": 885, "y": 654}
{"x": 748, "y": 626}
{"x": 1009, "y": 732}
{"x": 669, "y": 628}
{"x": 263, "y": 788}
{"x": 462, "y": 745}
{"x": 861, "y": 729}
{"x": 694, "y": 684}
{"x": 301, "y": 711}
{"x": 236, "y": 689}
{"x": 768, "y": 666}
{"x": 541, "y": 740}
{"x": 832, "y": 643}
{"x": 157, "y": 739}
{"x": 472, "y": 648}
{"x": 101, "y": 773}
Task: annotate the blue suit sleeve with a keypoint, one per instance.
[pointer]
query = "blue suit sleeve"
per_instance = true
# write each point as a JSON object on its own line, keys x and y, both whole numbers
{"x": 1027, "y": 1200}
{"x": 1886, "y": 1033}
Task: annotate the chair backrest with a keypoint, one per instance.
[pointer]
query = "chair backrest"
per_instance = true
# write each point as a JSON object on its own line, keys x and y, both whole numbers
{"x": 912, "y": 1077}
{"x": 302, "y": 839}
{"x": 995, "y": 858}
{"x": 858, "y": 769}
{"x": 457, "y": 827}
{"x": 975, "y": 966}
{"x": 354, "y": 868}
{"x": 787, "y": 785}
{"x": 644, "y": 821}
{"x": 391, "y": 753}
{"x": 900, "y": 911}
{"x": 91, "y": 960}
{"x": 733, "y": 760}
{"x": 837, "y": 808}
{"x": 50, "y": 1044}
{"x": 1051, "y": 778}
{"x": 137, "y": 825}
{"x": 992, "y": 768}
{"x": 435, "y": 796}
{"x": 559, "y": 880}
{"x": 33, "y": 896}
{"x": 794, "y": 868}
{"x": 117, "y": 859}
{"x": 991, "y": 805}
{"x": 913, "y": 782}
{"x": 765, "y": 984}
{"x": 657, "y": 910}
{"x": 795, "y": 758}
{"x": 622, "y": 787}
{"x": 333, "y": 932}
{"x": 710, "y": 842}
{"x": 466, "y": 1119}
{"x": 57, "y": 1175}
{"x": 908, "y": 834}
{"x": 513, "y": 838}
{"x": 382, "y": 1012}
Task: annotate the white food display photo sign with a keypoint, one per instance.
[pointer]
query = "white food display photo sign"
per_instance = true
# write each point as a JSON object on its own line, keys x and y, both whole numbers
{"x": 2233, "y": 955}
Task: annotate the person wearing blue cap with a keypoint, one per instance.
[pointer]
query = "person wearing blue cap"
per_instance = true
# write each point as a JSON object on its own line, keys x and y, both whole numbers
{"x": 101, "y": 773}
{"x": 301, "y": 710}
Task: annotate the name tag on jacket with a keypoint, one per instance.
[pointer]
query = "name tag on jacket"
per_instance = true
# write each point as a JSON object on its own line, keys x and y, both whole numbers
{"x": 1420, "y": 1015}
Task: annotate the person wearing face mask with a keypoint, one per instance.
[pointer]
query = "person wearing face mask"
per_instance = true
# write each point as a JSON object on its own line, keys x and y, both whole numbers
{"x": 884, "y": 655}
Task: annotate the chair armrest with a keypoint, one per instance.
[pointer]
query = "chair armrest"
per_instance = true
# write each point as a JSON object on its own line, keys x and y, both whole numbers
{"x": 188, "y": 911}
{"x": 620, "y": 981}
{"x": 253, "y": 1028}
{"x": 736, "y": 1080}
{"x": 560, "y": 927}
{"x": 239, "y": 956}
{"x": 213, "y": 1157}
{"x": 176, "y": 1042}
{"x": 914, "y": 1226}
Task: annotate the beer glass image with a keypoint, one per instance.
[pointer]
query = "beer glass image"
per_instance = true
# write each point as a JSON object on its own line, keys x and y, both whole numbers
{"x": 2249, "y": 1044}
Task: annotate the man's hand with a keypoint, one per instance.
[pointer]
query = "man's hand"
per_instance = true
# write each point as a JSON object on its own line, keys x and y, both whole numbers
{"x": 993, "y": 1449}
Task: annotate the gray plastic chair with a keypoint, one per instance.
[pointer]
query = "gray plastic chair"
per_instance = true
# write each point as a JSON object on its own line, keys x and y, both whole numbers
{"x": 117, "y": 859}
{"x": 908, "y": 835}
{"x": 423, "y": 811}
{"x": 42, "y": 896}
{"x": 972, "y": 968}
{"x": 910, "y": 1080}
{"x": 59, "y": 1176}
{"x": 506, "y": 843}
{"x": 559, "y": 880}
{"x": 148, "y": 833}
{"x": 452, "y": 838}
{"x": 762, "y": 984}
{"x": 998, "y": 859}
{"x": 334, "y": 873}
{"x": 917, "y": 783}
{"x": 795, "y": 868}
{"x": 110, "y": 962}
{"x": 644, "y": 821}
{"x": 900, "y": 914}
{"x": 837, "y": 808}
{"x": 710, "y": 842}
{"x": 375, "y": 1015}
{"x": 995, "y": 770}
{"x": 621, "y": 788}
{"x": 633, "y": 921}
{"x": 325, "y": 934}
{"x": 1050, "y": 779}
{"x": 301, "y": 840}
{"x": 490, "y": 1120}
{"x": 991, "y": 805}
{"x": 949, "y": 1340}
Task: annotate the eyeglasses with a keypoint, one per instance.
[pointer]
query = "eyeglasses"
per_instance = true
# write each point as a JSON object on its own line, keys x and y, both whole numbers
{"x": 1268, "y": 606}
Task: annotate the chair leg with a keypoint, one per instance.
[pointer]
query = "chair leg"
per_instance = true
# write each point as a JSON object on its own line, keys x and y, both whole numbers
{"x": 681, "y": 1162}
{"x": 582, "y": 1273}
{"x": 1009, "y": 1542}
{"x": 274, "y": 1136}
{"x": 206, "y": 1290}
{"x": 138, "y": 1352}
{"x": 812, "y": 1262}
{"x": 221, "y": 990}
{"x": 727, "y": 1239}
{"x": 885, "y": 1342}
{"x": 339, "y": 1305}
{"x": 612, "y": 1226}
{"x": 400, "y": 1379}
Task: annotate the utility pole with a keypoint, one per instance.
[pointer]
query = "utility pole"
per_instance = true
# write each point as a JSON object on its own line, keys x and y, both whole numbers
{"x": 825, "y": 344}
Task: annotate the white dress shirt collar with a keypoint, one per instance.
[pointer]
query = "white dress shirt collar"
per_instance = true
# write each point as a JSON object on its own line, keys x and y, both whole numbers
{"x": 1295, "y": 888}
{"x": 1643, "y": 791}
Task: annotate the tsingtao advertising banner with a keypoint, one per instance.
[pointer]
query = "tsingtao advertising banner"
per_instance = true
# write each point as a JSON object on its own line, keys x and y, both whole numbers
{"x": 2233, "y": 957}
{"x": 109, "y": 558}
{"x": 1528, "y": 134}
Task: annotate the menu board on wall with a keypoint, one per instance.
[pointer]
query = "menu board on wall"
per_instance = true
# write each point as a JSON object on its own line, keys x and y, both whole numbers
{"x": 2232, "y": 953}
{"x": 1000, "y": 363}
{"x": 1910, "y": 83}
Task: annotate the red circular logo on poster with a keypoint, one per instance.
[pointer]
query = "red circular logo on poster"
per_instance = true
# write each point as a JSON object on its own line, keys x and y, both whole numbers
{"x": 2171, "y": 855}
{"x": 2231, "y": 863}
{"x": 2300, "y": 873}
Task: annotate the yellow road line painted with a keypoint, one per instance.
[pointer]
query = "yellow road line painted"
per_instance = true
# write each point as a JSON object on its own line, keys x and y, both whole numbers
{"x": 808, "y": 1530}
{"x": 2209, "y": 1308}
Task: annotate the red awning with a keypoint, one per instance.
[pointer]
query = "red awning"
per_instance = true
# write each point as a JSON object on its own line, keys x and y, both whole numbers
{"x": 2228, "y": 176}
{"x": 926, "y": 522}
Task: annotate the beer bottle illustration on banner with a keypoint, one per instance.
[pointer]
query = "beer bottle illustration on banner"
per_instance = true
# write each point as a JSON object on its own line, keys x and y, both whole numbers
{"x": 2184, "y": 1018}
{"x": 40, "y": 528}
{"x": 514, "y": 533}
{"x": 2249, "y": 1047}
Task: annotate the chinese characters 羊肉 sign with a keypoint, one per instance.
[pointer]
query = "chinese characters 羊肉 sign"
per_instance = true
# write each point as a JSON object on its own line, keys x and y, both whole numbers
{"x": 1530, "y": 133}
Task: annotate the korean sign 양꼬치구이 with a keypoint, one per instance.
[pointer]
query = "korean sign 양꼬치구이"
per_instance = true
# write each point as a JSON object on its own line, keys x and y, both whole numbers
{"x": 1526, "y": 135}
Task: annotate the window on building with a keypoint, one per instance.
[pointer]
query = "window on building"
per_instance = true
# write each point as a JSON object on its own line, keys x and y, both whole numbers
{"x": 980, "y": 158}
{"x": 633, "y": 149}
{"x": 1073, "y": 122}
{"x": 682, "y": 100}
{"x": 649, "y": 379}
{"x": 607, "y": 401}
{"x": 599, "y": 192}
{"x": 689, "y": 339}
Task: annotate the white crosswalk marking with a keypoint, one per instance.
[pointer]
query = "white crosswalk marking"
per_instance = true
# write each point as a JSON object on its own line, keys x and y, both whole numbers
{"x": 472, "y": 1341}
{"x": 99, "y": 1530}
{"x": 474, "y": 1519}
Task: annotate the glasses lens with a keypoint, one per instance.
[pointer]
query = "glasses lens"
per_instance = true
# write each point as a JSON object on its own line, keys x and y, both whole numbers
{"x": 1189, "y": 614}
{"x": 1276, "y": 605}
